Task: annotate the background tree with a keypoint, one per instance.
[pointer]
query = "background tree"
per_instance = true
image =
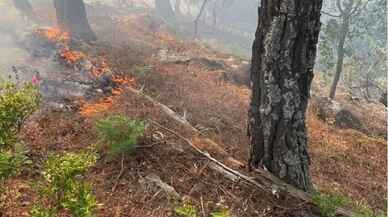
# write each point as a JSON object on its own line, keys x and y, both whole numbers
{"x": 25, "y": 8}
{"x": 354, "y": 37}
{"x": 348, "y": 9}
{"x": 164, "y": 10}
{"x": 283, "y": 58}
{"x": 72, "y": 17}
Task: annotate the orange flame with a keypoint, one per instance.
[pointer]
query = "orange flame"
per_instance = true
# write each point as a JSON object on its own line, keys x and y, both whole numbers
{"x": 71, "y": 56}
{"x": 54, "y": 34}
{"x": 92, "y": 109}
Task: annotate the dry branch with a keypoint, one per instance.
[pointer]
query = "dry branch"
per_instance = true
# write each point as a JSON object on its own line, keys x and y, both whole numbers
{"x": 262, "y": 180}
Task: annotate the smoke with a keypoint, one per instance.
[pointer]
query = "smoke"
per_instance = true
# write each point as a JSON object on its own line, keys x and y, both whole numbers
{"x": 14, "y": 31}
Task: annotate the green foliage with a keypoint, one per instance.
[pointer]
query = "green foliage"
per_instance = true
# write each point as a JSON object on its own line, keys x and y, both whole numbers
{"x": 12, "y": 162}
{"x": 63, "y": 187}
{"x": 328, "y": 203}
{"x": 79, "y": 200}
{"x": 141, "y": 71}
{"x": 186, "y": 210}
{"x": 224, "y": 212}
{"x": 120, "y": 133}
{"x": 364, "y": 212}
{"x": 39, "y": 211}
{"x": 15, "y": 106}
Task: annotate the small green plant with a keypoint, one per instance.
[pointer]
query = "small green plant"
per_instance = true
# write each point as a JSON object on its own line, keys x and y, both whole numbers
{"x": 11, "y": 162}
{"x": 120, "y": 133}
{"x": 328, "y": 203}
{"x": 39, "y": 211}
{"x": 141, "y": 71}
{"x": 16, "y": 104}
{"x": 186, "y": 210}
{"x": 223, "y": 212}
{"x": 64, "y": 188}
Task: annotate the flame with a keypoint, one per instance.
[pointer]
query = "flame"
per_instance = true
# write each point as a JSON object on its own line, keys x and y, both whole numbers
{"x": 92, "y": 109}
{"x": 71, "y": 56}
{"x": 54, "y": 34}
{"x": 123, "y": 81}
{"x": 99, "y": 68}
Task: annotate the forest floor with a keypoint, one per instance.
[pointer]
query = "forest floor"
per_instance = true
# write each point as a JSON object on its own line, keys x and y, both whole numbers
{"x": 189, "y": 78}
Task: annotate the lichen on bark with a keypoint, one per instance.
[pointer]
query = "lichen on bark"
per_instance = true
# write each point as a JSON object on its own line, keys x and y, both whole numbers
{"x": 283, "y": 57}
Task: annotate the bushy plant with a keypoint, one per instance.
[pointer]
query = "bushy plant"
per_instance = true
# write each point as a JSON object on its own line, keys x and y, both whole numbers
{"x": 328, "y": 203}
{"x": 64, "y": 188}
{"x": 120, "y": 133}
{"x": 15, "y": 106}
{"x": 186, "y": 210}
{"x": 11, "y": 162}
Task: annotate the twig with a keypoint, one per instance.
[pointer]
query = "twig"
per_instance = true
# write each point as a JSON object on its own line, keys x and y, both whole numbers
{"x": 203, "y": 208}
{"x": 120, "y": 174}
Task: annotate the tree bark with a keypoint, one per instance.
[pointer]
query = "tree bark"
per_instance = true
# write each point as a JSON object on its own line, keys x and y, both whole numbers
{"x": 341, "y": 56}
{"x": 283, "y": 57}
{"x": 72, "y": 17}
{"x": 164, "y": 10}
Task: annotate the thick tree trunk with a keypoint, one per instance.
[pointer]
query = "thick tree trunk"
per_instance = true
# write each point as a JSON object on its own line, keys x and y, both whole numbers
{"x": 341, "y": 56}
{"x": 283, "y": 59}
{"x": 72, "y": 17}
{"x": 164, "y": 10}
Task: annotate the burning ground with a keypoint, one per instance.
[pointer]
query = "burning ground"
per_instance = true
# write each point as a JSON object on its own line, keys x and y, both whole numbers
{"x": 84, "y": 83}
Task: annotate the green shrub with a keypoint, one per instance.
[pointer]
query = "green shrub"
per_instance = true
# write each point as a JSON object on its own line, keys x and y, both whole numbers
{"x": 141, "y": 71}
{"x": 12, "y": 162}
{"x": 64, "y": 188}
{"x": 186, "y": 210}
{"x": 120, "y": 133}
{"x": 39, "y": 211}
{"x": 328, "y": 203}
{"x": 224, "y": 212}
{"x": 15, "y": 106}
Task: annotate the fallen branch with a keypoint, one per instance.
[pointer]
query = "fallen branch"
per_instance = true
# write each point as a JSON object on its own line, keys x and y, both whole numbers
{"x": 263, "y": 180}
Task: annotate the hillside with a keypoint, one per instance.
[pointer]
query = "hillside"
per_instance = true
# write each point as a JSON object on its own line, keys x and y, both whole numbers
{"x": 153, "y": 69}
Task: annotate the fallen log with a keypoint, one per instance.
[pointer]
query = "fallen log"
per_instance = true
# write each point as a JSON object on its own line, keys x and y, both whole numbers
{"x": 262, "y": 179}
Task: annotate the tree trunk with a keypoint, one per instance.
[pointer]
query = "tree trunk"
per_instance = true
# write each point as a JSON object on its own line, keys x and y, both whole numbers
{"x": 283, "y": 57}
{"x": 201, "y": 10}
{"x": 72, "y": 17}
{"x": 178, "y": 12}
{"x": 25, "y": 8}
{"x": 341, "y": 56}
{"x": 164, "y": 10}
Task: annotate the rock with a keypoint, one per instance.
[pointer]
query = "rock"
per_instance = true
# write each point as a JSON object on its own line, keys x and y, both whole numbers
{"x": 333, "y": 112}
{"x": 239, "y": 76}
{"x": 327, "y": 108}
{"x": 152, "y": 183}
{"x": 346, "y": 119}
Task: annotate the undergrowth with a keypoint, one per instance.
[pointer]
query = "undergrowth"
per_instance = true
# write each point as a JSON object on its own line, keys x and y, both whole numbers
{"x": 188, "y": 210}
{"x": 120, "y": 133}
{"x": 12, "y": 162}
{"x": 329, "y": 203}
{"x": 64, "y": 188}
{"x": 16, "y": 104}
